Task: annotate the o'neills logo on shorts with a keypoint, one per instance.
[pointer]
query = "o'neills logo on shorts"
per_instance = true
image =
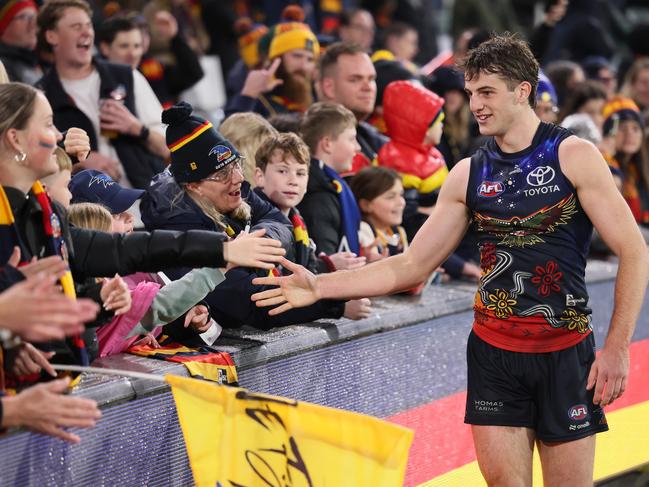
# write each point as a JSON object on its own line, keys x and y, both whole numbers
{"x": 489, "y": 189}
{"x": 488, "y": 406}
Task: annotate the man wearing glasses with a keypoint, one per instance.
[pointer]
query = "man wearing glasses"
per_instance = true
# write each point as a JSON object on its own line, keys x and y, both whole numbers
{"x": 18, "y": 40}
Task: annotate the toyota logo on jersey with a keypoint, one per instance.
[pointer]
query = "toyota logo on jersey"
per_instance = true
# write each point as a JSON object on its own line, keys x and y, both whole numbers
{"x": 540, "y": 176}
{"x": 489, "y": 189}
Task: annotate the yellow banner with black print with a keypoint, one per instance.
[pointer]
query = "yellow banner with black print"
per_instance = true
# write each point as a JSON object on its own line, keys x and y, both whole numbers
{"x": 238, "y": 438}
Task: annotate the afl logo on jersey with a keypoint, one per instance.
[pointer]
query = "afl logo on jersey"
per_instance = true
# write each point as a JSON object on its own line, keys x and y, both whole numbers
{"x": 578, "y": 412}
{"x": 489, "y": 189}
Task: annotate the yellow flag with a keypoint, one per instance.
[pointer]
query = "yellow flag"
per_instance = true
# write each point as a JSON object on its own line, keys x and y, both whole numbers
{"x": 238, "y": 438}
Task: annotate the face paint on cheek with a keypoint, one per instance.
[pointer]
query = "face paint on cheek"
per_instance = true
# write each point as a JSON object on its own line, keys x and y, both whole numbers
{"x": 46, "y": 144}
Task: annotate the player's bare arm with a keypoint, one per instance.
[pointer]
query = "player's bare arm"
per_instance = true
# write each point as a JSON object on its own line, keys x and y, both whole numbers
{"x": 582, "y": 163}
{"x": 433, "y": 243}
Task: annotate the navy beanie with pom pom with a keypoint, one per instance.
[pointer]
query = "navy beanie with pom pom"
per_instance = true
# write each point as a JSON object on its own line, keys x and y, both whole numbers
{"x": 197, "y": 149}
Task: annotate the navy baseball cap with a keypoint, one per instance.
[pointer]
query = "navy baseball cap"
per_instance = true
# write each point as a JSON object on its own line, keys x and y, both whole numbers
{"x": 91, "y": 186}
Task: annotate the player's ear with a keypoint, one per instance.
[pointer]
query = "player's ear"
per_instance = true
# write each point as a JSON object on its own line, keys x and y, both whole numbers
{"x": 523, "y": 91}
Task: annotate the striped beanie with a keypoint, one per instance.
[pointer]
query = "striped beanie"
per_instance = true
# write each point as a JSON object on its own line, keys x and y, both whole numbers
{"x": 619, "y": 109}
{"x": 292, "y": 34}
{"x": 8, "y": 10}
{"x": 249, "y": 36}
{"x": 197, "y": 149}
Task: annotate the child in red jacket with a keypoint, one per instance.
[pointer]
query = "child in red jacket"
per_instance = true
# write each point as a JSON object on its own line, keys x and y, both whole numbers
{"x": 414, "y": 119}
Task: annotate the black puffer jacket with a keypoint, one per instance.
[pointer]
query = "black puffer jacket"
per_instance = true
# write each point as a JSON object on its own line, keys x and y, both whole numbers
{"x": 321, "y": 211}
{"x": 98, "y": 254}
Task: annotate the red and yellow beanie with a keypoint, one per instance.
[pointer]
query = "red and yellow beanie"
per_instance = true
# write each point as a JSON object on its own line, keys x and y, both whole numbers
{"x": 8, "y": 10}
{"x": 249, "y": 36}
{"x": 197, "y": 149}
{"x": 618, "y": 109}
{"x": 292, "y": 34}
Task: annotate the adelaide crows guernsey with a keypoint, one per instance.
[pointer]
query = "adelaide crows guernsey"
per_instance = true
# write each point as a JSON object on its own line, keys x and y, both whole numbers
{"x": 534, "y": 238}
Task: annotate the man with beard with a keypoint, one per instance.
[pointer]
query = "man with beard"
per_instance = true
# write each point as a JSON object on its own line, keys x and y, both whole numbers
{"x": 347, "y": 76}
{"x": 286, "y": 84}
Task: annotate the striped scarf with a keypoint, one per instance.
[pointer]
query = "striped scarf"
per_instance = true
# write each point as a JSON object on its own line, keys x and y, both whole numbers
{"x": 351, "y": 215}
{"x": 301, "y": 235}
{"x": 302, "y": 243}
{"x": 54, "y": 245}
{"x": 394, "y": 239}
{"x": 201, "y": 362}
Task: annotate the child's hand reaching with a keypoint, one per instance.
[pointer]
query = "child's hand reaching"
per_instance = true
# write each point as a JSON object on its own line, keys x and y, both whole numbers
{"x": 372, "y": 252}
{"x": 115, "y": 295}
{"x": 149, "y": 340}
{"x": 357, "y": 309}
{"x": 198, "y": 318}
{"x": 347, "y": 261}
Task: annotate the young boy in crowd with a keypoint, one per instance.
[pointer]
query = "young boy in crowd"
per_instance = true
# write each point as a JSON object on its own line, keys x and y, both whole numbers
{"x": 281, "y": 177}
{"x": 329, "y": 207}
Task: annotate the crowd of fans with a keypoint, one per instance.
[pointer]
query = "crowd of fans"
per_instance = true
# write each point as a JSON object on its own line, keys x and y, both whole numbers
{"x": 341, "y": 125}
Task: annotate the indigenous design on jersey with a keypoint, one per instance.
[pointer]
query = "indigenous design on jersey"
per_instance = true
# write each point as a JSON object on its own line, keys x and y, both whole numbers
{"x": 547, "y": 279}
{"x": 527, "y": 230}
{"x": 533, "y": 237}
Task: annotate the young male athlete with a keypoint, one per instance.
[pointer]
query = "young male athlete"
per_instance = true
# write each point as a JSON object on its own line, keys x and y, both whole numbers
{"x": 532, "y": 194}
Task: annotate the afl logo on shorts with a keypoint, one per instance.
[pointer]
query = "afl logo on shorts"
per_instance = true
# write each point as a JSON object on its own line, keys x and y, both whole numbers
{"x": 489, "y": 189}
{"x": 222, "y": 152}
{"x": 578, "y": 412}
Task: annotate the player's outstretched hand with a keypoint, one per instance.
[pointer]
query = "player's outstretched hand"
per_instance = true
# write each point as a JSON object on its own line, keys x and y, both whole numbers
{"x": 295, "y": 291}
{"x": 251, "y": 250}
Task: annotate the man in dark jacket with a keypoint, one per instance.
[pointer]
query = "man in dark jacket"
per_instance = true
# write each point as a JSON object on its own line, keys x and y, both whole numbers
{"x": 341, "y": 63}
{"x": 125, "y": 41}
{"x": 18, "y": 40}
{"x": 113, "y": 103}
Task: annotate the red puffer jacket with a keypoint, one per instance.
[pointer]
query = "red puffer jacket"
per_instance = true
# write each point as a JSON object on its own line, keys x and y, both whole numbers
{"x": 408, "y": 110}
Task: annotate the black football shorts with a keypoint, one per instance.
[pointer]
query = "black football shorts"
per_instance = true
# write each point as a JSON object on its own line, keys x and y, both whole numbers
{"x": 542, "y": 391}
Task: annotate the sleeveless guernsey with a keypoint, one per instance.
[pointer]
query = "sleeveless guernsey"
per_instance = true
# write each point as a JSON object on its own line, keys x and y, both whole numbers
{"x": 533, "y": 237}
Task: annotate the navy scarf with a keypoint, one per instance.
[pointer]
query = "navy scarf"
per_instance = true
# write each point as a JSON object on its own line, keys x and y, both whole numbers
{"x": 351, "y": 215}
